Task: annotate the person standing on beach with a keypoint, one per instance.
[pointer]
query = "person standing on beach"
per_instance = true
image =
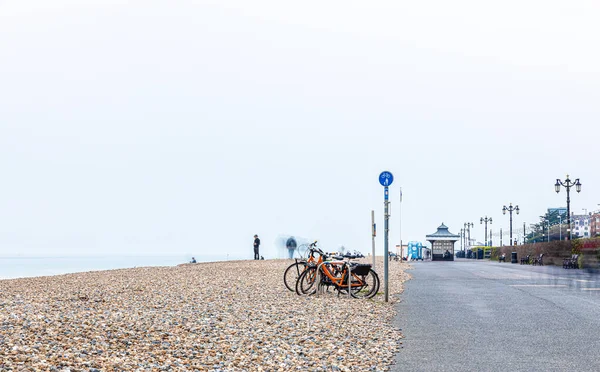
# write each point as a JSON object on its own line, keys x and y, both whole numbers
{"x": 256, "y": 245}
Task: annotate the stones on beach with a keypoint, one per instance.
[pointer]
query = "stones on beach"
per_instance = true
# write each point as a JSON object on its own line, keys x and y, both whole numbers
{"x": 226, "y": 316}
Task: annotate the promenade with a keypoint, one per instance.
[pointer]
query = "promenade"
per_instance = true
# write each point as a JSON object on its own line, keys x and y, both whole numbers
{"x": 472, "y": 315}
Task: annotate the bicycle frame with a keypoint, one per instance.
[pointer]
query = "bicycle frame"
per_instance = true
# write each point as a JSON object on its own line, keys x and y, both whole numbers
{"x": 338, "y": 281}
{"x": 311, "y": 260}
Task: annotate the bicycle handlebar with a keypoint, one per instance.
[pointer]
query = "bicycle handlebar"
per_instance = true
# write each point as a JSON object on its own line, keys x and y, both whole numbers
{"x": 313, "y": 248}
{"x": 348, "y": 255}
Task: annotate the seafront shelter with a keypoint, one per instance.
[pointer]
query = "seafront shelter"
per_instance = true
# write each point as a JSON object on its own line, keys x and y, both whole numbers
{"x": 442, "y": 244}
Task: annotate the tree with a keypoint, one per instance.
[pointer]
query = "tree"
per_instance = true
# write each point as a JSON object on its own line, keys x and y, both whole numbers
{"x": 540, "y": 231}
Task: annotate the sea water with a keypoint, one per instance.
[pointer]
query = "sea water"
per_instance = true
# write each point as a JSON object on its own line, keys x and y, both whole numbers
{"x": 21, "y": 267}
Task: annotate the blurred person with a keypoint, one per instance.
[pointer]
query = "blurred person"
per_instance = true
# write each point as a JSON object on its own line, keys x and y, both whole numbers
{"x": 291, "y": 245}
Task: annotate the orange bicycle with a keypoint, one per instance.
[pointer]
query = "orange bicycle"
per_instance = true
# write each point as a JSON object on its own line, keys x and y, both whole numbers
{"x": 364, "y": 281}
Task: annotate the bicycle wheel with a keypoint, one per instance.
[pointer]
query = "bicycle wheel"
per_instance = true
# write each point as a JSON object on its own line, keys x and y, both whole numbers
{"x": 365, "y": 286}
{"x": 292, "y": 273}
{"x": 307, "y": 282}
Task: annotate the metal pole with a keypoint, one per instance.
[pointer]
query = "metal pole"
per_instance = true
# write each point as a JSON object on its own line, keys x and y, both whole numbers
{"x": 524, "y": 233}
{"x": 501, "y": 237}
{"x": 560, "y": 227}
{"x": 385, "y": 245}
{"x": 400, "y": 218}
{"x": 568, "y": 187}
{"x": 373, "y": 235}
{"x": 349, "y": 279}
{"x": 491, "y": 238}
{"x": 486, "y": 241}
{"x": 469, "y": 236}
{"x": 511, "y": 241}
{"x": 465, "y": 238}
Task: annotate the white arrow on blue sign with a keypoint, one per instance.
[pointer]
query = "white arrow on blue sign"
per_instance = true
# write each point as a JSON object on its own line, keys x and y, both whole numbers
{"x": 386, "y": 178}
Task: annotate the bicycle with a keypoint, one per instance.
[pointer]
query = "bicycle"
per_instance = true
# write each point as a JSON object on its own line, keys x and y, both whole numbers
{"x": 293, "y": 272}
{"x": 364, "y": 281}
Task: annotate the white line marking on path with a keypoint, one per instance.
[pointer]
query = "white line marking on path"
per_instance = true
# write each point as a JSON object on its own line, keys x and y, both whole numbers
{"x": 590, "y": 289}
{"x": 538, "y": 285}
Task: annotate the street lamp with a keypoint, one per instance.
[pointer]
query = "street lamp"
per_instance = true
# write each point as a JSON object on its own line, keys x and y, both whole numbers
{"x": 510, "y": 209}
{"x": 559, "y": 227}
{"x": 486, "y": 220}
{"x": 468, "y": 226}
{"x": 567, "y": 184}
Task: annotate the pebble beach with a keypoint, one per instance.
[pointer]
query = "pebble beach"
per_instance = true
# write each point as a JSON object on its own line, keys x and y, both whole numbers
{"x": 219, "y": 316}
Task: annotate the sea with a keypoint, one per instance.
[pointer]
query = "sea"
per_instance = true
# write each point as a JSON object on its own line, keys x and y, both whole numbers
{"x": 22, "y": 267}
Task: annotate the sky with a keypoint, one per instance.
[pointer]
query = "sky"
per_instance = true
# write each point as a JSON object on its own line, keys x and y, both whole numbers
{"x": 186, "y": 127}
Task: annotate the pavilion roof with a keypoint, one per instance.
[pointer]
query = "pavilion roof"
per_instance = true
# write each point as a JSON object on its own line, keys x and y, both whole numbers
{"x": 442, "y": 233}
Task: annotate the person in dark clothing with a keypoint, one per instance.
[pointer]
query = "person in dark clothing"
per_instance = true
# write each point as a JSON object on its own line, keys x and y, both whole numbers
{"x": 291, "y": 246}
{"x": 256, "y": 245}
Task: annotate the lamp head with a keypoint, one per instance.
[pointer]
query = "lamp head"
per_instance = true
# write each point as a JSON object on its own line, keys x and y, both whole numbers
{"x": 504, "y": 210}
{"x": 578, "y": 185}
{"x": 517, "y": 209}
{"x": 557, "y": 186}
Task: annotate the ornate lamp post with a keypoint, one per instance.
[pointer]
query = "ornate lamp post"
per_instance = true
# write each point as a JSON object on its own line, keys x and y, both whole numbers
{"x": 567, "y": 184}
{"x": 486, "y": 220}
{"x": 468, "y": 226}
{"x": 462, "y": 240}
{"x": 510, "y": 209}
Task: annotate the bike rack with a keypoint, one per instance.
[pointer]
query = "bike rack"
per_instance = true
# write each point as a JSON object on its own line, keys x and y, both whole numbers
{"x": 320, "y": 276}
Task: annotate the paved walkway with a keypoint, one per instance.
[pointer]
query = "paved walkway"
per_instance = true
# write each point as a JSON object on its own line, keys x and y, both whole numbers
{"x": 470, "y": 315}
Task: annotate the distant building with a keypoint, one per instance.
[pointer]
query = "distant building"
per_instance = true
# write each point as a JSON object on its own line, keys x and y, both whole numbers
{"x": 561, "y": 211}
{"x": 581, "y": 225}
{"x": 402, "y": 251}
{"x": 595, "y": 224}
{"x": 442, "y": 244}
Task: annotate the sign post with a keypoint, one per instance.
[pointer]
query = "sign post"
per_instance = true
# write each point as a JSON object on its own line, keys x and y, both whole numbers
{"x": 374, "y": 232}
{"x": 400, "y": 219}
{"x": 385, "y": 179}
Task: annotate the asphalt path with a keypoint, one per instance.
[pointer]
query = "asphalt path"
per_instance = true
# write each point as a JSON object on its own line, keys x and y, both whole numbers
{"x": 477, "y": 315}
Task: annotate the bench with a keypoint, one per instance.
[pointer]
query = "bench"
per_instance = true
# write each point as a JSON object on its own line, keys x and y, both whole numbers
{"x": 571, "y": 263}
{"x": 539, "y": 260}
{"x": 525, "y": 260}
{"x": 502, "y": 258}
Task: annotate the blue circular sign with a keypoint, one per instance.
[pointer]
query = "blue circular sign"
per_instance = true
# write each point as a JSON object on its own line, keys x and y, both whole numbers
{"x": 386, "y": 178}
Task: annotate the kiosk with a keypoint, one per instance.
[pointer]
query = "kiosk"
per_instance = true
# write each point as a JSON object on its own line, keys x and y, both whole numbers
{"x": 442, "y": 244}
{"x": 415, "y": 251}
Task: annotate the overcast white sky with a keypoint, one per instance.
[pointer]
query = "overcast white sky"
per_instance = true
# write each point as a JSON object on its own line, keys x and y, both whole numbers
{"x": 167, "y": 127}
